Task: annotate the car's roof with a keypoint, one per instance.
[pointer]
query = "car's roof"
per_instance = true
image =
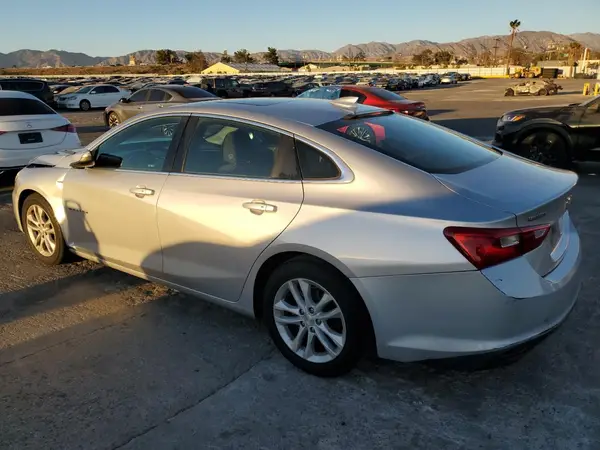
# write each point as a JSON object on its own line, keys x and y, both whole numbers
{"x": 17, "y": 94}
{"x": 278, "y": 111}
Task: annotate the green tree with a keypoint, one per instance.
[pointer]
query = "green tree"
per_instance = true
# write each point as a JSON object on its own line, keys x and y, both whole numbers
{"x": 272, "y": 57}
{"x": 166, "y": 56}
{"x": 225, "y": 58}
{"x": 514, "y": 28}
{"x": 425, "y": 58}
{"x": 196, "y": 61}
{"x": 443, "y": 57}
{"x": 574, "y": 52}
{"x": 243, "y": 56}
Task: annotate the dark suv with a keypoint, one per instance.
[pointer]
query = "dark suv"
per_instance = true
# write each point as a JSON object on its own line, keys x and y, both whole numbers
{"x": 552, "y": 135}
{"x": 37, "y": 88}
{"x": 224, "y": 87}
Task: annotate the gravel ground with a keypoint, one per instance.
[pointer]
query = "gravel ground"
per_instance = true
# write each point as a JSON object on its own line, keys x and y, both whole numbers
{"x": 91, "y": 358}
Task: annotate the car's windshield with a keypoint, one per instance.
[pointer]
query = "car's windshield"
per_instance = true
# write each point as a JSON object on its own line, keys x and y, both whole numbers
{"x": 415, "y": 142}
{"x": 591, "y": 101}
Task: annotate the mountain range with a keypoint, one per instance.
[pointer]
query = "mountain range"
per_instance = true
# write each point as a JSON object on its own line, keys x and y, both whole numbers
{"x": 532, "y": 41}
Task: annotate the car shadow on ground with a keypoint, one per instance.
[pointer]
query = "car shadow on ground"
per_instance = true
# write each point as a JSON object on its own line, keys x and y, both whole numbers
{"x": 435, "y": 112}
{"x": 476, "y": 127}
{"x": 70, "y": 290}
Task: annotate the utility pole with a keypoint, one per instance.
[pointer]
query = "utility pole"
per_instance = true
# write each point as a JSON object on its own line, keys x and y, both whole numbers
{"x": 496, "y": 46}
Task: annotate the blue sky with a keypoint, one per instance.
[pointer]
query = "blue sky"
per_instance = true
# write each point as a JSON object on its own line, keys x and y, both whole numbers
{"x": 117, "y": 27}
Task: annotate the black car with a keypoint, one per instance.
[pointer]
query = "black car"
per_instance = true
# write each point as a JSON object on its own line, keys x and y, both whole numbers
{"x": 37, "y": 88}
{"x": 552, "y": 135}
{"x": 271, "y": 89}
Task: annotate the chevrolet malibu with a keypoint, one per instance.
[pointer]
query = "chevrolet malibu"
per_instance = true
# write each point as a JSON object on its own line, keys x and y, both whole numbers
{"x": 343, "y": 227}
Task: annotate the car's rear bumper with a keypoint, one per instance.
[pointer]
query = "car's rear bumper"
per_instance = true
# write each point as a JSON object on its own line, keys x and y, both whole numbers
{"x": 433, "y": 316}
{"x": 17, "y": 159}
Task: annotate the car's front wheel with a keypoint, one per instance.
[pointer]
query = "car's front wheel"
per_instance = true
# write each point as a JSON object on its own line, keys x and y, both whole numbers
{"x": 43, "y": 232}
{"x": 315, "y": 317}
{"x": 545, "y": 147}
{"x": 113, "y": 120}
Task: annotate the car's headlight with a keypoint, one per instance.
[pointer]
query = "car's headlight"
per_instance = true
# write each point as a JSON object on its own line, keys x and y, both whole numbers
{"x": 512, "y": 117}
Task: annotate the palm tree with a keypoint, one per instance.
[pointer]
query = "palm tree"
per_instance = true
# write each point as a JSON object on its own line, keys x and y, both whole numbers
{"x": 514, "y": 27}
{"x": 574, "y": 52}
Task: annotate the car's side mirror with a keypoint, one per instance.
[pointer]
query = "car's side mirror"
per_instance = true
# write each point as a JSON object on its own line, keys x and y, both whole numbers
{"x": 86, "y": 161}
{"x": 108, "y": 161}
{"x": 124, "y": 100}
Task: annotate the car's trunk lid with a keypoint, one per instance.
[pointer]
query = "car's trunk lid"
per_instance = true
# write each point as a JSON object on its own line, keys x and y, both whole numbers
{"x": 535, "y": 194}
{"x": 30, "y": 132}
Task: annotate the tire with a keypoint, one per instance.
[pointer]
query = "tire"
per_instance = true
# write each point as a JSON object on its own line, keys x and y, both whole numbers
{"x": 113, "y": 120}
{"x": 34, "y": 204}
{"x": 509, "y": 93}
{"x": 545, "y": 147}
{"x": 348, "y": 329}
{"x": 542, "y": 92}
{"x": 363, "y": 133}
{"x": 85, "y": 105}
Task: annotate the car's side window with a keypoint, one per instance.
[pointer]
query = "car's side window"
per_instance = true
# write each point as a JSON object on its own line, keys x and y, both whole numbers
{"x": 143, "y": 146}
{"x": 349, "y": 93}
{"x": 97, "y": 90}
{"x": 139, "y": 96}
{"x": 314, "y": 164}
{"x": 156, "y": 95}
{"x": 110, "y": 89}
{"x": 233, "y": 149}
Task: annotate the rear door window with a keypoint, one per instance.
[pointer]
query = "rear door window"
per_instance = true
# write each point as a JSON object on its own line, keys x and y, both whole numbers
{"x": 110, "y": 89}
{"x": 156, "y": 95}
{"x": 414, "y": 142}
{"x": 22, "y": 107}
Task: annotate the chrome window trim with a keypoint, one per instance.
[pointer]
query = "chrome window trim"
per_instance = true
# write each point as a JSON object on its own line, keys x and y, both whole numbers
{"x": 230, "y": 178}
{"x": 346, "y": 174}
{"x": 110, "y": 133}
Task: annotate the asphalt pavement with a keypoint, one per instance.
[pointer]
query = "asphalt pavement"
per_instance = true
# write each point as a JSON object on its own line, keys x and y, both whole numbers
{"x": 94, "y": 359}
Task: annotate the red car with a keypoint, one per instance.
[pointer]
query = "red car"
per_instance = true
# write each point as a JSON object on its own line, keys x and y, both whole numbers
{"x": 372, "y": 96}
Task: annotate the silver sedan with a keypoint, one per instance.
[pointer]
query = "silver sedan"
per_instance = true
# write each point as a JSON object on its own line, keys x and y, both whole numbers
{"x": 341, "y": 226}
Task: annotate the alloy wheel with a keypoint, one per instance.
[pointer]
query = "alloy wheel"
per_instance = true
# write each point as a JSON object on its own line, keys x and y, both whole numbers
{"x": 40, "y": 230}
{"x": 113, "y": 120}
{"x": 309, "y": 320}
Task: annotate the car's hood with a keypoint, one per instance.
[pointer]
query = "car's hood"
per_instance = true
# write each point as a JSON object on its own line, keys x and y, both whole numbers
{"x": 63, "y": 158}
{"x": 542, "y": 111}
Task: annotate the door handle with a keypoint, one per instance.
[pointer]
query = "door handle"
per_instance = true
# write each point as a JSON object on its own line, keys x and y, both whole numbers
{"x": 141, "y": 191}
{"x": 161, "y": 106}
{"x": 140, "y": 107}
{"x": 259, "y": 207}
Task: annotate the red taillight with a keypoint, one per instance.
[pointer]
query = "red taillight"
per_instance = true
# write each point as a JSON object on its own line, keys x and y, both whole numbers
{"x": 2, "y": 132}
{"x": 69, "y": 128}
{"x": 485, "y": 247}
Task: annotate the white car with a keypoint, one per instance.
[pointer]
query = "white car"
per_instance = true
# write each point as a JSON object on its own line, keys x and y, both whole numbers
{"x": 449, "y": 79}
{"x": 93, "y": 96}
{"x": 30, "y": 128}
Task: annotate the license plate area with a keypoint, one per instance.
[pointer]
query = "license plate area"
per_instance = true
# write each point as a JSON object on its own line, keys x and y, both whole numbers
{"x": 30, "y": 138}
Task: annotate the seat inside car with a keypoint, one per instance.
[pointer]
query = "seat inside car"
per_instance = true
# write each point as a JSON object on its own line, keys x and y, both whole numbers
{"x": 245, "y": 155}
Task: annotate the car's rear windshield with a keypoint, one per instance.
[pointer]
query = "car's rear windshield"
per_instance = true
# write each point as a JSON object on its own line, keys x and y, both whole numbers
{"x": 23, "y": 107}
{"x": 385, "y": 94}
{"x": 192, "y": 92}
{"x": 415, "y": 142}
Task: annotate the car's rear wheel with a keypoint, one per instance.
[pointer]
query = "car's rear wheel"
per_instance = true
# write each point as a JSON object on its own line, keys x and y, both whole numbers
{"x": 113, "y": 120}
{"x": 43, "y": 232}
{"x": 542, "y": 92}
{"x": 545, "y": 147}
{"x": 85, "y": 105}
{"x": 315, "y": 317}
{"x": 509, "y": 93}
